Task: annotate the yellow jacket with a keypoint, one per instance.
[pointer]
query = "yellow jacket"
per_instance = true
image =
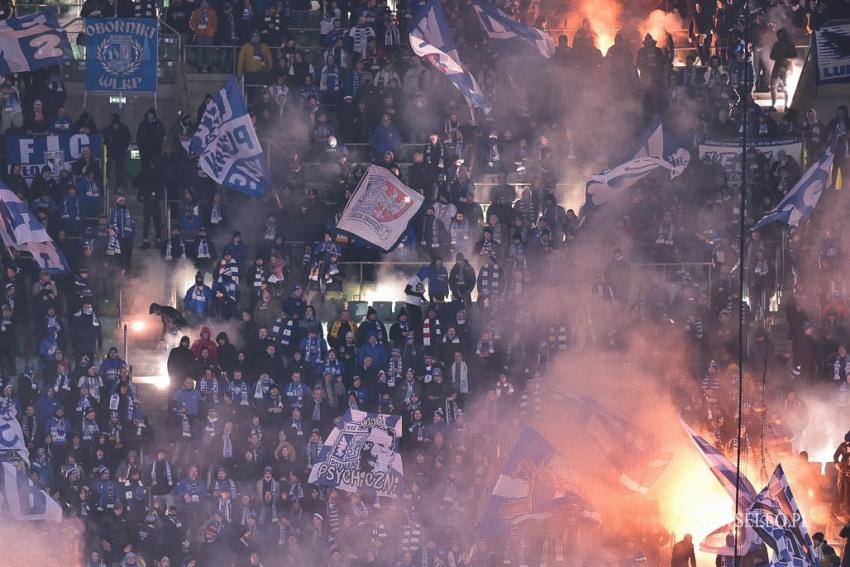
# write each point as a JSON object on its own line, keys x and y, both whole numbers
{"x": 249, "y": 63}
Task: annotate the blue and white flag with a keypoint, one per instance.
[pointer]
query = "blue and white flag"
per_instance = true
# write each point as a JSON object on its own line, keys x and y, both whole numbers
{"x": 47, "y": 256}
{"x": 56, "y": 151}
{"x": 801, "y": 200}
{"x": 361, "y": 455}
{"x": 227, "y": 144}
{"x": 654, "y": 150}
{"x": 121, "y": 55}
{"x": 527, "y": 488}
{"x": 431, "y": 39}
{"x": 723, "y": 470}
{"x": 510, "y": 35}
{"x": 20, "y": 230}
{"x": 11, "y": 436}
{"x": 725, "y": 473}
{"x": 775, "y": 516}
{"x": 22, "y": 499}
{"x": 380, "y": 209}
{"x": 19, "y": 224}
{"x": 32, "y": 42}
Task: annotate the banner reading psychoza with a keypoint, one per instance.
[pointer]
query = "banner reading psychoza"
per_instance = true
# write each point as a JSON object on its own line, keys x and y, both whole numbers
{"x": 34, "y": 152}
{"x": 832, "y": 49}
{"x": 728, "y": 152}
{"x": 121, "y": 55}
{"x": 380, "y": 208}
{"x": 361, "y": 455}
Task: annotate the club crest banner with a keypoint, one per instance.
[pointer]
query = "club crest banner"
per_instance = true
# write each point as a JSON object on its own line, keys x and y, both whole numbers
{"x": 121, "y": 55}
{"x": 380, "y": 209}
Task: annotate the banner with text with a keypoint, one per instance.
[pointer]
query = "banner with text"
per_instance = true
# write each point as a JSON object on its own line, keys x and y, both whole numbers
{"x": 361, "y": 455}
{"x": 832, "y": 49}
{"x": 34, "y": 152}
{"x": 728, "y": 153}
{"x": 121, "y": 55}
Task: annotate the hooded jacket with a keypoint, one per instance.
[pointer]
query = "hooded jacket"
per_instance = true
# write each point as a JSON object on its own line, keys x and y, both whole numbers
{"x": 201, "y": 343}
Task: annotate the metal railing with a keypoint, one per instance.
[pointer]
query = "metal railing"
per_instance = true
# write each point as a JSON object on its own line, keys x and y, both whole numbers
{"x": 225, "y": 58}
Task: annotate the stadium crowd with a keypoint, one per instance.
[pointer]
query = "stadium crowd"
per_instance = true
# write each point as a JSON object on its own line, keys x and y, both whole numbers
{"x": 223, "y": 480}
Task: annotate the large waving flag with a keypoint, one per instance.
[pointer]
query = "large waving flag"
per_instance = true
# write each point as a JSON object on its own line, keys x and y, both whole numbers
{"x": 229, "y": 150}
{"x": 431, "y": 39}
{"x": 32, "y": 42}
{"x": 509, "y": 34}
{"x": 380, "y": 209}
{"x": 776, "y": 517}
{"x": 20, "y": 230}
{"x": 654, "y": 150}
{"x": 12, "y": 437}
{"x": 725, "y": 473}
{"x": 527, "y": 488}
{"x": 23, "y": 499}
{"x": 802, "y": 199}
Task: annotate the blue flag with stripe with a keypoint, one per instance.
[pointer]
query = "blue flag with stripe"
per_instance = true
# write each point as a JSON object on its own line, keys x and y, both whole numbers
{"x": 509, "y": 35}
{"x": 775, "y": 516}
{"x": 431, "y": 39}
{"x": 32, "y": 42}
{"x": 528, "y": 488}
{"x": 802, "y": 199}
{"x": 227, "y": 146}
{"x": 734, "y": 484}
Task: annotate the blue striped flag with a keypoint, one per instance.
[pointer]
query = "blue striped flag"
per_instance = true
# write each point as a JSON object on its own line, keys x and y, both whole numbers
{"x": 725, "y": 473}
{"x": 431, "y": 39}
{"x": 508, "y": 34}
{"x": 775, "y": 516}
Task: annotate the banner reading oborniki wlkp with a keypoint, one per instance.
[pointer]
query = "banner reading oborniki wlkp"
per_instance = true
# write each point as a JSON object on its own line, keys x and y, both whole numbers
{"x": 361, "y": 455}
{"x": 121, "y": 55}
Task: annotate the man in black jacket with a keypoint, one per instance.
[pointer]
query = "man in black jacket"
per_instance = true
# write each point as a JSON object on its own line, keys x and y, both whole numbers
{"x": 150, "y": 136}
{"x": 116, "y": 138}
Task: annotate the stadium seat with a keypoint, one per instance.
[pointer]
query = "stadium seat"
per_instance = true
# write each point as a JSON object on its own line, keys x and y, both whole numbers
{"x": 358, "y": 309}
{"x": 399, "y": 305}
{"x": 384, "y": 309}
